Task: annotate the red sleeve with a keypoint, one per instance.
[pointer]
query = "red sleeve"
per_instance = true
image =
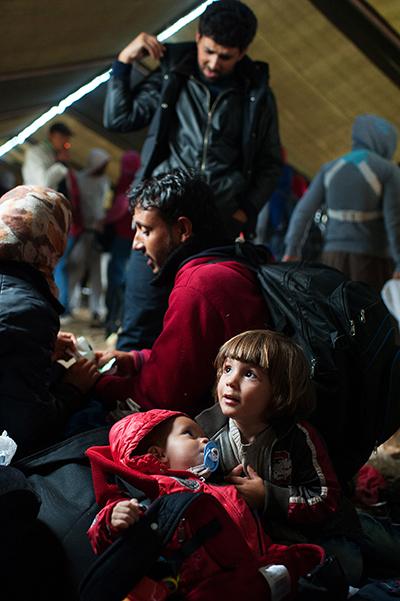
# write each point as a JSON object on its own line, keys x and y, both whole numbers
{"x": 179, "y": 368}
{"x": 101, "y": 533}
{"x": 312, "y": 493}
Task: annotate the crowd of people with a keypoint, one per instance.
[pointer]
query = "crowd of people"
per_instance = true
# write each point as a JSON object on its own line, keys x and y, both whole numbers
{"x": 101, "y": 222}
{"x": 197, "y": 357}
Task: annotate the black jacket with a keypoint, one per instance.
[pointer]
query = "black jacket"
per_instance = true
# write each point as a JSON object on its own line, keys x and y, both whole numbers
{"x": 29, "y": 323}
{"x": 245, "y": 179}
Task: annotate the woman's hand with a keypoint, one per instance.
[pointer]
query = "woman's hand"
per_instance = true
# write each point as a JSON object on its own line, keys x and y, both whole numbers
{"x": 83, "y": 375}
{"x": 65, "y": 347}
{"x": 125, "y": 513}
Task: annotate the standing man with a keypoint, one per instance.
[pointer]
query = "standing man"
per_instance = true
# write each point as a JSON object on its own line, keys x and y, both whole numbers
{"x": 45, "y": 163}
{"x": 208, "y": 107}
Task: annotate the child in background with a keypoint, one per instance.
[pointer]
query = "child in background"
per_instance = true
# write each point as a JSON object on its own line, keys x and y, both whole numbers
{"x": 169, "y": 446}
{"x": 279, "y": 465}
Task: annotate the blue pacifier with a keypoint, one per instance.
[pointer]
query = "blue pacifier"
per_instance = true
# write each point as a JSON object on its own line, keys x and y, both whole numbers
{"x": 211, "y": 456}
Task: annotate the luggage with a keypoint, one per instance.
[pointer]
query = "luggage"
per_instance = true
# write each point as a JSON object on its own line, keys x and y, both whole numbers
{"x": 61, "y": 477}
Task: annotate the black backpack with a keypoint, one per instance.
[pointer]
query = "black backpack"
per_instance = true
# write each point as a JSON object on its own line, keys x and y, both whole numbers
{"x": 349, "y": 339}
{"x": 60, "y": 552}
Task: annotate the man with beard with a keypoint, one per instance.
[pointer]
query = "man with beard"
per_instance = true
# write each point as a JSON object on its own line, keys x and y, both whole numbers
{"x": 209, "y": 108}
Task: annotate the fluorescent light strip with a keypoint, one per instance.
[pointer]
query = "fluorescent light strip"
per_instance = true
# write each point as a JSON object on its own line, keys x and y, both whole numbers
{"x": 92, "y": 85}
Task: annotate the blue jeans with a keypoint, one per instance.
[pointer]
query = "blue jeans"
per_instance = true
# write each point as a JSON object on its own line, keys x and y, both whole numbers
{"x": 144, "y": 306}
{"x": 116, "y": 278}
{"x": 380, "y": 545}
{"x": 61, "y": 274}
{"x": 348, "y": 554}
{"x": 378, "y": 553}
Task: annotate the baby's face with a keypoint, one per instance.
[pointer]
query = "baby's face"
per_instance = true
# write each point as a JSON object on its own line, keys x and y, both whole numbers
{"x": 185, "y": 444}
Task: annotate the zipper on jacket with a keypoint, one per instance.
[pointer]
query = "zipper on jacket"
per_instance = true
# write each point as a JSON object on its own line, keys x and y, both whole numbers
{"x": 210, "y": 113}
{"x": 347, "y": 314}
{"x": 181, "y": 531}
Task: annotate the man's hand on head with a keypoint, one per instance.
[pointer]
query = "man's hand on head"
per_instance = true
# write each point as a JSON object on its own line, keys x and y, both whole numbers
{"x": 143, "y": 45}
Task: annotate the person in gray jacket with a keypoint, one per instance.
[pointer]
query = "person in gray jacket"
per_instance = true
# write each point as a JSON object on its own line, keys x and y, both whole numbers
{"x": 361, "y": 192}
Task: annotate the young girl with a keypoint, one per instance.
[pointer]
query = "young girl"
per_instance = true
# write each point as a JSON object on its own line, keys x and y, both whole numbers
{"x": 278, "y": 462}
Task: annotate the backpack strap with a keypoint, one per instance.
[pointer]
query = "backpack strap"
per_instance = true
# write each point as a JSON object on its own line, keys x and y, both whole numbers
{"x": 128, "y": 559}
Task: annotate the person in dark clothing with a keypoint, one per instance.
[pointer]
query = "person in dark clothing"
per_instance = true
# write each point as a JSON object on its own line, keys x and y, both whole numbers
{"x": 208, "y": 107}
{"x": 119, "y": 218}
{"x": 34, "y": 223}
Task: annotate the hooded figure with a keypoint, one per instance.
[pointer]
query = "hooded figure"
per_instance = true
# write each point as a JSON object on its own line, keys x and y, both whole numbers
{"x": 85, "y": 257}
{"x": 127, "y": 458}
{"x": 361, "y": 192}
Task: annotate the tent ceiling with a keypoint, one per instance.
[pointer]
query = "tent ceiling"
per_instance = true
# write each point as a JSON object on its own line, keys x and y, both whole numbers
{"x": 320, "y": 78}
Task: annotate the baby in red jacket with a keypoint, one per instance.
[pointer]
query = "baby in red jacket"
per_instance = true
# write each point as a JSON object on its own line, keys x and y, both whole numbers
{"x": 162, "y": 452}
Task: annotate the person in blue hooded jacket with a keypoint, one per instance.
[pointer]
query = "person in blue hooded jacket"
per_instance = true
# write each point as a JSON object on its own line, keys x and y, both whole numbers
{"x": 361, "y": 193}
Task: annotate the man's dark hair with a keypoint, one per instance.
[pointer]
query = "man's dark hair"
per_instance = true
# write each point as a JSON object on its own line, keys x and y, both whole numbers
{"x": 229, "y": 23}
{"x": 176, "y": 194}
{"x": 60, "y": 128}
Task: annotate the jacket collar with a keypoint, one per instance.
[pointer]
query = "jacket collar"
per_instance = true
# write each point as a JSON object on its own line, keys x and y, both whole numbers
{"x": 212, "y": 420}
{"x": 182, "y": 59}
{"x": 180, "y": 255}
{"x": 26, "y": 272}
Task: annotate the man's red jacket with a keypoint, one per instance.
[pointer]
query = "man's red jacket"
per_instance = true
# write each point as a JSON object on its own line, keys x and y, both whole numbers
{"x": 209, "y": 303}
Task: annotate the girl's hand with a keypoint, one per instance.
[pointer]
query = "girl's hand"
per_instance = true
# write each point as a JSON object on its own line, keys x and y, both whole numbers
{"x": 125, "y": 513}
{"x": 251, "y": 488}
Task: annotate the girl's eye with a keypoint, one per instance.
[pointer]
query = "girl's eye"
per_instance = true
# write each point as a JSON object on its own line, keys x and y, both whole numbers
{"x": 188, "y": 432}
{"x": 250, "y": 374}
{"x": 227, "y": 369}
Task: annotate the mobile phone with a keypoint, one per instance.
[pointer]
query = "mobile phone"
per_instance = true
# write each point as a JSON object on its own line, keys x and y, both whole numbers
{"x": 108, "y": 366}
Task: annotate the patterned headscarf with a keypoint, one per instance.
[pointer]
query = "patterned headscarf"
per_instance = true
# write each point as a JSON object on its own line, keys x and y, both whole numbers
{"x": 34, "y": 224}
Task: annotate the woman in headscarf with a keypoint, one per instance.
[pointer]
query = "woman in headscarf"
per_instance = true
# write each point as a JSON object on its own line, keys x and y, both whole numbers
{"x": 34, "y": 224}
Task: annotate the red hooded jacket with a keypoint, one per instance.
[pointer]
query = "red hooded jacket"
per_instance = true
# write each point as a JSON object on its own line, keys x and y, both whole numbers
{"x": 151, "y": 476}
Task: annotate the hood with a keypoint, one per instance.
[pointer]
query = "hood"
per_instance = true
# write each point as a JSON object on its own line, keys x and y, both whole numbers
{"x": 128, "y": 433}
{"x": 374, "y": 133}
{"x": 97, "y": 158}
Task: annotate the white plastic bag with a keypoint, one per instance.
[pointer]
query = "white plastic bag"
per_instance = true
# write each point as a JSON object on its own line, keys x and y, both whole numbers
{"x": 391, "y": 297}
{"x": 7, "y": 449}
